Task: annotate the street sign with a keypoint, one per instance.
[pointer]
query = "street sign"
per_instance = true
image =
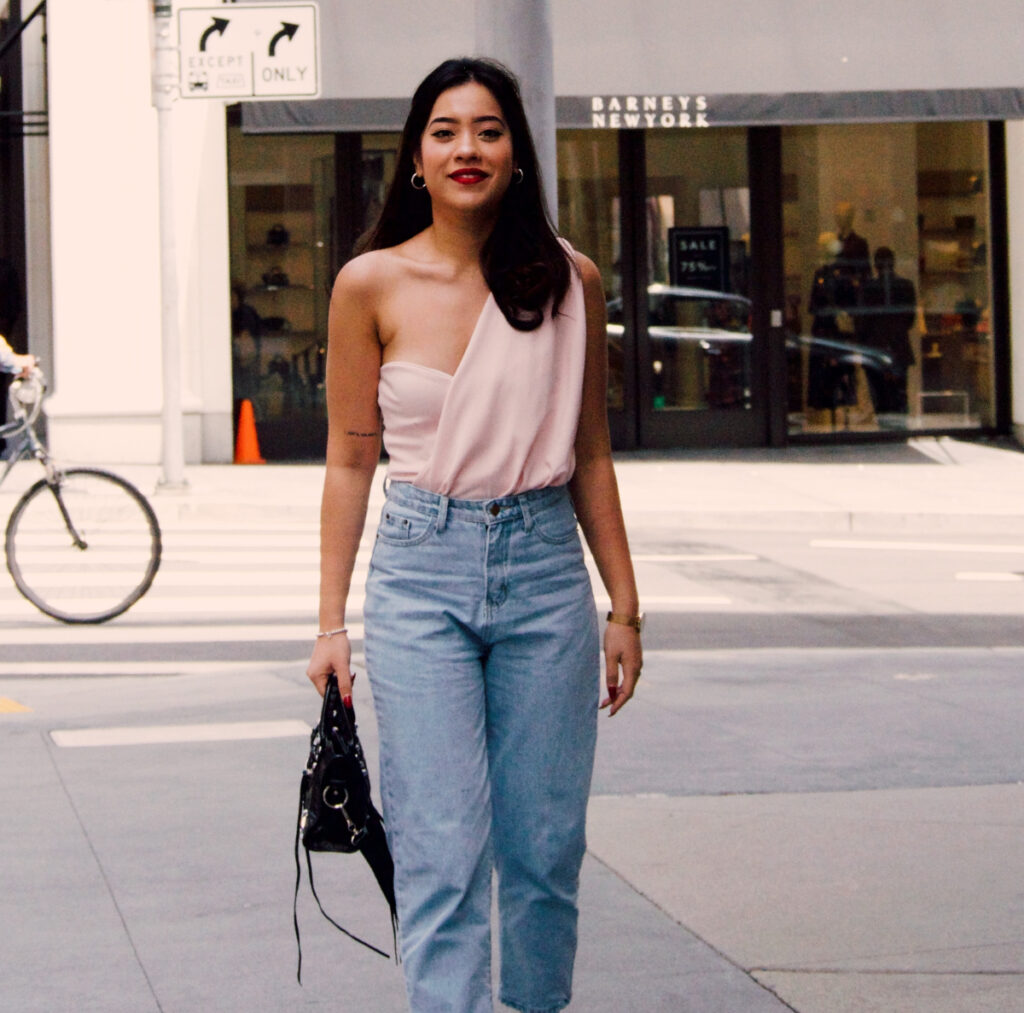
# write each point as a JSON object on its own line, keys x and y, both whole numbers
{"x": 249, "y": 51}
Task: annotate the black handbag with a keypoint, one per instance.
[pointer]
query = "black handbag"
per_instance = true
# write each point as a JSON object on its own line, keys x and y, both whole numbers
{"x": 278, "y": 236}
{"x": 275, "y": 278}
{"x": 336, "y": 812}
{"x": 276, "y": 323}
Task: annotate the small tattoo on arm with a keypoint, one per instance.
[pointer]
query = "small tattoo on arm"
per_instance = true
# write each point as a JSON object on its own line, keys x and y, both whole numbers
{"x": 352, "y": 432}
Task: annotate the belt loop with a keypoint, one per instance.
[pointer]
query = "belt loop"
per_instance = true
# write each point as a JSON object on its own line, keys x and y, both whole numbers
{"x": 386, "y": 483}
{"x": 524, "y": 505}
{"x": 442, "y": 513}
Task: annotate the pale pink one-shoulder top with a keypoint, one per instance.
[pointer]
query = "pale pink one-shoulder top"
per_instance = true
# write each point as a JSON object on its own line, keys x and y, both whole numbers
{"x": 505, "y": 422}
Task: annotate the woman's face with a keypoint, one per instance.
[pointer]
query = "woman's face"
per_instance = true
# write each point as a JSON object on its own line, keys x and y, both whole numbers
{"x": 465, "y": 152}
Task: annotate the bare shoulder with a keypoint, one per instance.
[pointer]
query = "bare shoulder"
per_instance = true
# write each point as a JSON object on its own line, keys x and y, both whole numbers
{"x": 593, "y": 283}
{"x": 589, "y": 272}
{"x": 362, "y": 277}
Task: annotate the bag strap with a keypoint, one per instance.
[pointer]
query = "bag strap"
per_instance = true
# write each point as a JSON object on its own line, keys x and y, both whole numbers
{"x": 298, "y": 881}
{"x": 374, "y": 848}
{"x": 312, "y": 887}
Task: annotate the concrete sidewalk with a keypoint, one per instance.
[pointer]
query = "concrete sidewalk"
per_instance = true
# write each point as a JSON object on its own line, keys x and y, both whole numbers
{"x": 827, "y": 831}
{"x": 928, "y": 484}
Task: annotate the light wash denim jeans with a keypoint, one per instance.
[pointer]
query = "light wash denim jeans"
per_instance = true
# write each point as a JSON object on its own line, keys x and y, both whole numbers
{"x": 482, "y": 651}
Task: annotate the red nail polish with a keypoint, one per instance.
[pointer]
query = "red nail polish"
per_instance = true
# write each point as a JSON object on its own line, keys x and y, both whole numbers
{"x": 347, "y": 701}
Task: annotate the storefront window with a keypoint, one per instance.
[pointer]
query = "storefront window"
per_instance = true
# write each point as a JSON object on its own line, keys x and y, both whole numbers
{"x": 378, "y": 157}
{"x": 698, "y": 234}
{"x": 588, "y": 216}
{"x": 280, "y": 198}
{"x": 887, "y": 283}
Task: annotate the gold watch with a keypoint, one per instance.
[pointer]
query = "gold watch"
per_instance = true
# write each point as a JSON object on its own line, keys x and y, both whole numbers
{"x": 637, "y": 621}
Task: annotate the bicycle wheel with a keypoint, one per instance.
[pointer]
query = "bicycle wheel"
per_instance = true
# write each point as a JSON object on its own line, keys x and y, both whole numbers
{"x": 85, "y": 549}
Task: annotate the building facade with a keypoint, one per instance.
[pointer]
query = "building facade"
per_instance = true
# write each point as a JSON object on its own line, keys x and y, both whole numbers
{"x": 809, "y": 226}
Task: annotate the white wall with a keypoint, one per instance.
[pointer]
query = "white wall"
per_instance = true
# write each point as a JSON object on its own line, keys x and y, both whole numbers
{"x": 204, "y": 270}
{"x": 773, "y": 46}
{"x": 1015, "y": 187}
{"x": 106, "y": 245}
{"x": 384, "y": 48}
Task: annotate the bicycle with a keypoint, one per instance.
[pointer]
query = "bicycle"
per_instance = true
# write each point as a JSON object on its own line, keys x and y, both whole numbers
{"x": 83, "y": 545}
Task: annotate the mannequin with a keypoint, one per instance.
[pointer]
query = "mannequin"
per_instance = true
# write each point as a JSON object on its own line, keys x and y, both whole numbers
{"x": 853, "y": 258}
{"x": 836, "y": 382}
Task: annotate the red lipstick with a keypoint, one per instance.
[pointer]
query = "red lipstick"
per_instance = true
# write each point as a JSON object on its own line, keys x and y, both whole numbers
{"x": 468, "y": 176}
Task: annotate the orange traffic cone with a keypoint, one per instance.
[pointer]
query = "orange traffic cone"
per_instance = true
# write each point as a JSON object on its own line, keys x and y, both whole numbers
{"x": 247, "y": 446}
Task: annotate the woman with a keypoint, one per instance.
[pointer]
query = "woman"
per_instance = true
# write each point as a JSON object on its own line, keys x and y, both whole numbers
{"x": 479, "y": 338}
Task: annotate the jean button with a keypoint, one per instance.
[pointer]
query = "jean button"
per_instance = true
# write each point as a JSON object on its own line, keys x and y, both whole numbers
{"x": 495, "y": 509}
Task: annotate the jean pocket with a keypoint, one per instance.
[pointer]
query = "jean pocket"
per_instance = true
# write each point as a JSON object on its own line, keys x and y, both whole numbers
{"x": 403, "y": 527}
{"x": 557, "y": 523}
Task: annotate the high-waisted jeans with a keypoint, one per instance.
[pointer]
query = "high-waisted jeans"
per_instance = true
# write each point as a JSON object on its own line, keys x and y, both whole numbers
{"x": 482, "y": 651}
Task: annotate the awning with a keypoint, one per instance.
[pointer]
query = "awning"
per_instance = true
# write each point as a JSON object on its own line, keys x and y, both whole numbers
{"x": 749, "y": 62}
{"x": 667, "y": 111}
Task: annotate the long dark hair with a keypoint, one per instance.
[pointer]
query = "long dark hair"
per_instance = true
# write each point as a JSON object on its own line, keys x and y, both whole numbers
{"x": 523, "y": 263}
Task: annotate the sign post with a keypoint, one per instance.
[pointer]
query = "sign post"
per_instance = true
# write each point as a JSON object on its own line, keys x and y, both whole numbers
{"x": 237, "y": 51}
{"x": 172, "y": 455}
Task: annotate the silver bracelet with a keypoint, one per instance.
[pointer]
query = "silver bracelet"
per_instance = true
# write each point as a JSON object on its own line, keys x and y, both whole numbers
{"x": 332, "y": 633}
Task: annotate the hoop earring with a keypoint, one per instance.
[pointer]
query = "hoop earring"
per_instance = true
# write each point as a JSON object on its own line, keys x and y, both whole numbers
{"x": 422, "y": 185}
{"x": 517, "y": 179}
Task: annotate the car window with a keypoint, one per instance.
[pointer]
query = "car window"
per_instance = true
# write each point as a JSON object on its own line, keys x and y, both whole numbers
{"x": 669, "y": 310}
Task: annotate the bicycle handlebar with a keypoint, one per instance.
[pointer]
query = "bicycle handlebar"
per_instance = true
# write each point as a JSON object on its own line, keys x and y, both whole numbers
{"x": 26, "y": 397}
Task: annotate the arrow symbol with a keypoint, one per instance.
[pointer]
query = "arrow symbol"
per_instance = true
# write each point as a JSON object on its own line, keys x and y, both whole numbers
{"x": 218, "y": 26}
{"x": 288, "y": 30}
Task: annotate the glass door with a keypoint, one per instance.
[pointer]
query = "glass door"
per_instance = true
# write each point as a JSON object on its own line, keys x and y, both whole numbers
{"x": 589, "y": 215}
{"x": 697, "y": 355}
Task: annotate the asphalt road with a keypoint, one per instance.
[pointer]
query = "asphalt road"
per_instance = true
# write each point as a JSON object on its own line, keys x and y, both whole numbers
{"x": 780, "y": 665}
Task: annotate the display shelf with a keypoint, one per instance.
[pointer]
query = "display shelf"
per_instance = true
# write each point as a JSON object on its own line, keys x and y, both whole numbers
{"x": 946, "y": 232}
{"x": 306, "y": 336}
{"x": 280, "y": 288}
{"x": 947, "y": 272}
{"x": 278, "y": 248}
{"x": 945, "y": 183}
{"x": 285, "y": 369}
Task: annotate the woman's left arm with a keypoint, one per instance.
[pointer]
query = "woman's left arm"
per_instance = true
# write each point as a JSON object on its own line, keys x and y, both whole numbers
{"x": 595, "y": 495}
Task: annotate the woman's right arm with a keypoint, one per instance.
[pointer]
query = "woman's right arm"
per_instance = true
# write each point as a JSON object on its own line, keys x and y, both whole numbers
{"x": 353, "y": 450}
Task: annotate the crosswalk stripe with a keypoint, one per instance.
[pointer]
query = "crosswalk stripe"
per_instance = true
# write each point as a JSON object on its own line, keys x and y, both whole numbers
{"x": 696, "y": 557}
{"x": 217, "y": 539}
{"x": 864, "y": 543}
{"x": 670, "y": 600}
{"x": 193, "y": 578}
{"x": 50, "y": 634}
{"x": 160, "y": 734}
{"x": 19, "y": 669}
{"x": 990, "y": 576}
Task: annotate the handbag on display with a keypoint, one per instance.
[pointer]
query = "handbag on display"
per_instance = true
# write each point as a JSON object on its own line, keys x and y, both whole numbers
{"x": 336, "y": 812}
{"x": 278, "y": 236}
{"x": 275, "y": 278}
{"x": 276, "y": 323}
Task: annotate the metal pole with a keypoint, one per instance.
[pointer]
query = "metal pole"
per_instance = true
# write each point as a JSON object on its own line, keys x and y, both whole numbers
{"x": 16, "y": 34}
{"x": 518, "y": 33}
{"x": 172, "y": 418}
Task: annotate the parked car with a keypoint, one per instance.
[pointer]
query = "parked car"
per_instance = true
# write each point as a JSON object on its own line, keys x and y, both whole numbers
{"x": 700, "y": 346}
{"x": 701, "y": 353}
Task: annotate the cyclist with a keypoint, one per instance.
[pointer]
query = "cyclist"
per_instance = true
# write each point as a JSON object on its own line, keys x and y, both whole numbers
{"x": 11, "y": 362}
